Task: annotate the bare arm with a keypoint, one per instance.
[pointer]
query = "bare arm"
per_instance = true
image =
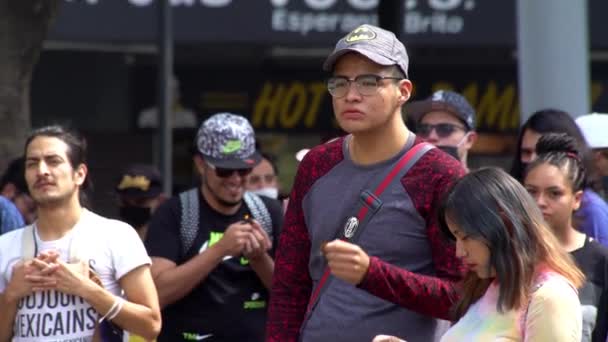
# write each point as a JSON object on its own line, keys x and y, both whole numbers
{"x": 175, "y": 282}
{"x": 8, "y": 303}
{"x": 263, "y": 267}
{"x": 18, "y": 287}
{"x": 140, "y": 313}
{"x": 256, "y": 251}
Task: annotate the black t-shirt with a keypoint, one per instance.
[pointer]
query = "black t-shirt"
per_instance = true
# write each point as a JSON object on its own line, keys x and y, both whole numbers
{"x": 231, "y": 303}
{"x": 592, "y": 259}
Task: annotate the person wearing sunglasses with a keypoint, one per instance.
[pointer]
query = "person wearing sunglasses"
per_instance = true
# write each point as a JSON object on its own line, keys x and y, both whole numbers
{"x": 447, "y": 120}
{"x": 323, "y": 286}
{"x": 212, "y": 246}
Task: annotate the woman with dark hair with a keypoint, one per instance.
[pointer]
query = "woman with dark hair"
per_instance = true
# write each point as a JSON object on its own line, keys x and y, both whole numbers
{"x": 555, "y": 181}
{"x": 592, "y": 218}
{"x": 521, "y": 284}
{"x": 541, "y": 122}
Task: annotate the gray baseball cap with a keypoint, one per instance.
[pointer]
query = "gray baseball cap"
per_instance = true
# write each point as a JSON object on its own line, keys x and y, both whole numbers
{"x": 379, "y": 45}
{"x": 227, "y": 141}
{"x": 444, "y": 100}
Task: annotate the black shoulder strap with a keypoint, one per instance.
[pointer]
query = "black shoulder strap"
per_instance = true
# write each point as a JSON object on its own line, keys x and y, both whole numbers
{"x": 259, "y": 211}
{"x": 190, "y": 209}
{"x": 368, "y": 205}
{"x": 189, "y": 218}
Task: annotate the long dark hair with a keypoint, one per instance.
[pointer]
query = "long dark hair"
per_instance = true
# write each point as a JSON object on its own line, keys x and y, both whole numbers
{"x": 76, "y": 152}
{"x": 551, "y": 121}
{"x": 493, "y": 207}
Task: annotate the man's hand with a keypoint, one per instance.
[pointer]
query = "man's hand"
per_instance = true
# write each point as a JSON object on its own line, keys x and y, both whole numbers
{"x": 346, "y": 261}
{"x": 20, "y": 286}
{"x": 258, "y": 242}
{"x": 70, "y": 278}
{"x": 235, "y": 238}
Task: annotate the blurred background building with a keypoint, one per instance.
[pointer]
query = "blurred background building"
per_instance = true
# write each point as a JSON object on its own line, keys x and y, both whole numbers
{"x": 263, "y": 59}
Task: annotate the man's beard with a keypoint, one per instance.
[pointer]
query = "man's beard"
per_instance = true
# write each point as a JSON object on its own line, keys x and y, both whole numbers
{"x": 53, "y": 202}
{"x": 220, "y": 200}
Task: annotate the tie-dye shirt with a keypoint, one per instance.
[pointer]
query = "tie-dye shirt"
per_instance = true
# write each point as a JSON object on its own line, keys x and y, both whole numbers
{"x": 553, "y": 315}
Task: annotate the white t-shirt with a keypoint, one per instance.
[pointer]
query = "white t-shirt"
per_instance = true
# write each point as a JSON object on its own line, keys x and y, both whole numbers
{"x": 113, "y": 249}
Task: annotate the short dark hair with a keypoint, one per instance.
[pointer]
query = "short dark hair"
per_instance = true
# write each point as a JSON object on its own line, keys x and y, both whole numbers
{"x": 76, "y": 152}
{"x": 397, "y": 72}
{"x": 15, "y": 174}
{"x": 272, "y": 160}
{"x": 489, "y": 205}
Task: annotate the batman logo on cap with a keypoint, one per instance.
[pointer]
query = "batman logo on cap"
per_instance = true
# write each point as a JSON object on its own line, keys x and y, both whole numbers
{"x": 362, "y": 32}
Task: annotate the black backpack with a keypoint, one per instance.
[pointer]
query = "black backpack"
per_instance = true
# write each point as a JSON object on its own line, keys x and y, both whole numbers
{"x": 190, "y": 215}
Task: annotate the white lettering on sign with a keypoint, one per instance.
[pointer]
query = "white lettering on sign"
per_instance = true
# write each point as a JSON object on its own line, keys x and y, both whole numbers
{"x": 321, "y": 5}
{"x": 435, "y": 17}
{"x": 307, "y": 22}
{"x": 437, "y": 22}
{"x": 415, "y": 20}
{"x": 144, "y": 3}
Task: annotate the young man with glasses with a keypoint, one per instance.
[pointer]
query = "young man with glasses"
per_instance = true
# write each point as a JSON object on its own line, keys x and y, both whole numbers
{"x": 446, "y": 120}
{"x": 211, "y": 252}
{"x": 399, "y": 269}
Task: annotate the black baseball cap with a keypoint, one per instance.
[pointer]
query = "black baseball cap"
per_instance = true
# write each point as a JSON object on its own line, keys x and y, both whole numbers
{"x": 140, "y": 181}
{"x": 443, "y": 100}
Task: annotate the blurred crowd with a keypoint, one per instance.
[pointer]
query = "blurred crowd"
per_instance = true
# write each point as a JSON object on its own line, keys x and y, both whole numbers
{"x": 388, "y": 234}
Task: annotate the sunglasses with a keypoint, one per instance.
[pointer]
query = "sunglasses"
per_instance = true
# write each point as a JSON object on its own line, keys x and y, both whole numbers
{"x": 225, "y": 173}
{"x": 443, "y": 130}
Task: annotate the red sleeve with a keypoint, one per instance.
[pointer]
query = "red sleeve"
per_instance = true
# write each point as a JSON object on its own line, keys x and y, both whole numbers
{"x": 426, "y": 184}
{"x": 291, "y": 282}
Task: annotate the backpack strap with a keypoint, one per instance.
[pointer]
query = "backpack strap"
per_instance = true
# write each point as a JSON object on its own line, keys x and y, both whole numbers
{"x": 76, "y": 250}
{"x": 28, "y": 244}
{"x": 189, "y": 218}
{"x": 190, "y": 215}
{"x": 259, "y": 211}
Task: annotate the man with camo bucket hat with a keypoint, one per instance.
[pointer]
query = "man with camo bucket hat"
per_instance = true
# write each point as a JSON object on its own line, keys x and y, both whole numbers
{"x": 212, "y": 246}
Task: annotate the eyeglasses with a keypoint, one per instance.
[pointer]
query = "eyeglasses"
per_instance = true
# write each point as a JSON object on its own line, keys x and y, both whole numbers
{"x": 225, "y": 173}
{"x": 443, "y": 130}
{"x": 365, "y": 84}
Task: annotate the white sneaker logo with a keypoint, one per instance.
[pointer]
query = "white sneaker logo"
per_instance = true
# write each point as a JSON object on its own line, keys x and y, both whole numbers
{"x": 202, "y": 337}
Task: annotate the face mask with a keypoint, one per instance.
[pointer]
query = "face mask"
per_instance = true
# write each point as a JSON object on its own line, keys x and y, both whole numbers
{"x": 451, "y": 150}
{"x": 135, "y": 216}
{"x": 268, "y": 192}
